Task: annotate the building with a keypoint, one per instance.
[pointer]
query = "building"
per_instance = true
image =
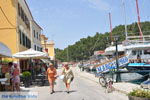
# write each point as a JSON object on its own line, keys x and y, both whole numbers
{"x": 17, "y": 27}
{"x": 35, "y": 36}
{"x": 48, "y": 46}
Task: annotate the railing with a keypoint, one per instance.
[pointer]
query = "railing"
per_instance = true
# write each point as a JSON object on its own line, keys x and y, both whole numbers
{"x": 108, "y": 61}
{"x": 139, "y": 61}
{"x": 111, "y": 64}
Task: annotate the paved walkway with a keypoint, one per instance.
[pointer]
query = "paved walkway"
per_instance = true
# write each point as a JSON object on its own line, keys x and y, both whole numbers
{"x": 123, "y": 87}
{"x": 82, "y": 88}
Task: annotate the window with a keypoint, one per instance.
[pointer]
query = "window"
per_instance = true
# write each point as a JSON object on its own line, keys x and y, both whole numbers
{"x": 34, "y": 47}
{"x": 23, "y": 16}
{"x": 146, "y": 51}
{"x": 20, "y": 34}
{"x": 26, "y": 42}
{"x": 34, "y": 33}
{"x": 37, "y": 48}
{"x": 29, "y": 44}
{"x": 140, "y": 52}
{"x": 133, "y": 52}
{"x": 19, "y": 12}
{"x": 37, "y": 35}
{"x": 23, "y": 37}
{"x": 41, "y": 49}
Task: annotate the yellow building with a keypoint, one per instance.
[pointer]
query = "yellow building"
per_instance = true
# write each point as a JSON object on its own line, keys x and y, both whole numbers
{"x": 48, "y": 46}
{"x": 16, "y": 26}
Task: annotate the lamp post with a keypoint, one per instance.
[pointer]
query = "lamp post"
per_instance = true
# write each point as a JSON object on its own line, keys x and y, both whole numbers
{"x": 118, "y": 77}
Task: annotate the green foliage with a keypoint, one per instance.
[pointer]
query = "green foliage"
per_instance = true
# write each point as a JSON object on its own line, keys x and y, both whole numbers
{"x": 26, "y": 74}
{"x": 6, "y": 61}
{"x": 85, "y": 47}
{"x": 140, "y": 93}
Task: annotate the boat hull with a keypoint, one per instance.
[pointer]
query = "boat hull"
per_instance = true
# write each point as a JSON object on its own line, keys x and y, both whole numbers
{"x": 141, "y": 68}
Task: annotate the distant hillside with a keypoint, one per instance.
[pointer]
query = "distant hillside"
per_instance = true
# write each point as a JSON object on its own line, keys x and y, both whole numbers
{"x": 84, "y": 48}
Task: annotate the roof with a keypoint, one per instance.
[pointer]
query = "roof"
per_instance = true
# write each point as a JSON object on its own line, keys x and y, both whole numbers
{"x": 50, "y": 42}
{"x": 37, "y": 24}
{"x": 28, "y": 9}
{"x": 32, "y": 15}
{"x": 113, "y": 48}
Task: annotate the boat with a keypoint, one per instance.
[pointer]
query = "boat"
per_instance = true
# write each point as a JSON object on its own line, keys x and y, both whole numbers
{"x": 137, "y": 51}
{"x": 135, "y": 48}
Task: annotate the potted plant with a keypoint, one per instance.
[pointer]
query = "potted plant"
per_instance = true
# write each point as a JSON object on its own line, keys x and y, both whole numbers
{"x": 26, "y": 78}
{"x": 139, "y": 94}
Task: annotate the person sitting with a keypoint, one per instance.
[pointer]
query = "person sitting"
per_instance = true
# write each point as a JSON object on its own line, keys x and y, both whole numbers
{"x": 8, "y": 86}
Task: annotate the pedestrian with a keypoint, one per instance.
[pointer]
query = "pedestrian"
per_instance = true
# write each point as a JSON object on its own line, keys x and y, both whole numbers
{"x": 11, "y": 69}
{"x": 51, "y": 73}
{"x": 68, "y": 76}
{"x": 43, "y": 69}
{"x": 16, "y": 78}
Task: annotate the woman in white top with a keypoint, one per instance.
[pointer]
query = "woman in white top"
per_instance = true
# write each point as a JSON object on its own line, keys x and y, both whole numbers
{"x": 68, "y": 76}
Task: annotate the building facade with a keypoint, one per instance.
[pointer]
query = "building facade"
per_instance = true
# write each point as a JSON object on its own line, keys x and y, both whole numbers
{"x": 17, "y": 27}
{"x": 35, "y": 36}
{"x": 48, "y": 46}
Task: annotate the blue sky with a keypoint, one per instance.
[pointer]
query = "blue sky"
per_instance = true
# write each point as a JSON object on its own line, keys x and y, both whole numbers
{"x": 66, "y": 21}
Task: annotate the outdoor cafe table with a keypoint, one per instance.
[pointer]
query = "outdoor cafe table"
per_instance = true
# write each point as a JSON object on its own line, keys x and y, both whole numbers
{"x": 41, "y": 78}
{"x": 2, "y": 83}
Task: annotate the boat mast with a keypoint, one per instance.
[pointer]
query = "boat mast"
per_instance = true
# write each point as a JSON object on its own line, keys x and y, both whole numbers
{"x": 138, "y": 15}
{"x": 124, "y": 12}
{"x": 110, "y": 28}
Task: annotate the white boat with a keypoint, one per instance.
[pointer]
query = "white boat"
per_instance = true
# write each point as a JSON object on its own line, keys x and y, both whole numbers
{"x": 137, "y": 52}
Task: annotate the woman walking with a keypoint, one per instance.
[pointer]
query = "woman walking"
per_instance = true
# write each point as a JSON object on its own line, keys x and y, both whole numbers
{"x": 51, "y": 73}
{"x": 68, "y": 76}
{"x": 16, "y": 78}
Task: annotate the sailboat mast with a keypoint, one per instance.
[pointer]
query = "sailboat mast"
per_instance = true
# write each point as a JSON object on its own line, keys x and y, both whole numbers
{"x": 124, "y": 12}
{"x": 110, "y": 27}
{"x": 138, "y": 14}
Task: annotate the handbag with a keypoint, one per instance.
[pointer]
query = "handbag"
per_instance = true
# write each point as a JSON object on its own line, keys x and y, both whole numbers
{"x": 72, "y": 79}
{"x": 61, "y": 77}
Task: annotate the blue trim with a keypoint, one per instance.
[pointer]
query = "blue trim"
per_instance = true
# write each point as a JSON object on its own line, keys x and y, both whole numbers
{"x": 138, "y": 64}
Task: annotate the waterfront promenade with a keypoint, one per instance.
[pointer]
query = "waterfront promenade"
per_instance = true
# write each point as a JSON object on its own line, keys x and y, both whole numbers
{"x": 84, "y": 87}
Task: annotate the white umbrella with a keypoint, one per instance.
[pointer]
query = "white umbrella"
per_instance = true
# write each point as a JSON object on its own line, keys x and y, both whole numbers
{"x": 4, "y": 51}
{"x": 30, "y": 53}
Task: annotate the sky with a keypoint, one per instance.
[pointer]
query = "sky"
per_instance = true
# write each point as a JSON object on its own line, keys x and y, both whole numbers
{"x": 67, "y": 21}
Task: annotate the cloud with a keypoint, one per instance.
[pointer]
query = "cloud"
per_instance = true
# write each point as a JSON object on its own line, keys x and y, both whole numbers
{"x": 99, "y": 4}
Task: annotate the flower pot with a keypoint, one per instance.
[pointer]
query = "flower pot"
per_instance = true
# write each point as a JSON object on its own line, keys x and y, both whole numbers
{"x": 26, "y": 81}
{"x": 137, "y": 98}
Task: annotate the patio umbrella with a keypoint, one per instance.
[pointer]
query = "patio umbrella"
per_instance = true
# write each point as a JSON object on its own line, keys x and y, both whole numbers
{"x": 4, "y": 51}
{"x": 30, "y": 53}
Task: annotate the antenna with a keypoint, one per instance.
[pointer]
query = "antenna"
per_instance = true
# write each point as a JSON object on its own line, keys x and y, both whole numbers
{"x": 124, "y": 12}
{"x": 110, "y": 27}
{"x": 138, "y": 14}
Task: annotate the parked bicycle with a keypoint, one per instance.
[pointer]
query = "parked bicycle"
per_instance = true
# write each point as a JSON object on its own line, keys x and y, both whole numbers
{"x": 106, "y": 82}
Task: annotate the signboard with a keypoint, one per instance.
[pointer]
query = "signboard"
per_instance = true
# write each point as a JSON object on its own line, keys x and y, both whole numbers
{"x": 99, "y": 52}
{"x": 112, "y": 65}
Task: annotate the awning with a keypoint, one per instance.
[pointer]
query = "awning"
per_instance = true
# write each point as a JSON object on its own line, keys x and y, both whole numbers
{"x": 30, "y": 53}
{"x": 46, "y": 60}
{"x": 4, "y": 51}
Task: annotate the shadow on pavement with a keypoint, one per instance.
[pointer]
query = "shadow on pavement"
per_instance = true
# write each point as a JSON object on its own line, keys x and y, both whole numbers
{"x": 71, "y": 91}
{"x": 58, "y": 91}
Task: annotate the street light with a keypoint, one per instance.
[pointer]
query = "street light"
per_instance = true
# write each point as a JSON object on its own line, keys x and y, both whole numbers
{"x": 118, "y": 77}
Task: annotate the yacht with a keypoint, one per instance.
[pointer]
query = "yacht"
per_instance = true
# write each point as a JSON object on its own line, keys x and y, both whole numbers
{"x": 137, "y": 52}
